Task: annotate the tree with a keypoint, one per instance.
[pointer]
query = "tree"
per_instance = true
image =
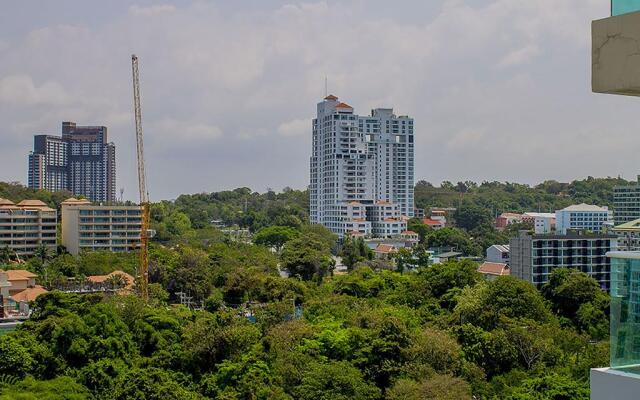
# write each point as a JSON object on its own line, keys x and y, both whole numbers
{"x": 354, "y": 250}
{"x": 60, "y": 388}
{"x": 334, "y": 381}
{"x": 470, "y": 216}
{"x": 307, "y": 257}
{"x": 151, "y": 384}
{"x": 569, "y": 289}
{"x": 438, "y": 387}
{"x": 275, "y": 236}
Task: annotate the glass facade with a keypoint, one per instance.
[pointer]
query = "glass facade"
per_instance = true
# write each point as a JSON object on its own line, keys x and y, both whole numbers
{"x": 625, "y": 311}
{"x": 619, "y": 7}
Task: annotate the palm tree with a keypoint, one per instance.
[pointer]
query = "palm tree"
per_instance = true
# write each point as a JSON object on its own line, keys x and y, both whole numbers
{"x": 43, "y": 253}
{"x": 116, "y": 281}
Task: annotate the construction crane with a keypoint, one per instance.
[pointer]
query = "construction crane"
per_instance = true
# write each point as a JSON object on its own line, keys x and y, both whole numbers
{"x": 142, "y": 184}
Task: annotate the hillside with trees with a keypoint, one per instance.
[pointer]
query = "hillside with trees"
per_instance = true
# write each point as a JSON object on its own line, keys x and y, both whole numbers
{"x": 271, "y": 319}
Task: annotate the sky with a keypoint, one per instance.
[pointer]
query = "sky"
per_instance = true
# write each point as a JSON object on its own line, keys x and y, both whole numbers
{"x": 499, "y": 89}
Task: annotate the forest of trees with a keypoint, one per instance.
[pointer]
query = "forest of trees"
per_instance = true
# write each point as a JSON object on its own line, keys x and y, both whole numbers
{"x": 441, "y": 332}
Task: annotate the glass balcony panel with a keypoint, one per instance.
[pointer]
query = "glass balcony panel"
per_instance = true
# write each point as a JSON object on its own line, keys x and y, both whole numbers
{"x": 619, "y": 7}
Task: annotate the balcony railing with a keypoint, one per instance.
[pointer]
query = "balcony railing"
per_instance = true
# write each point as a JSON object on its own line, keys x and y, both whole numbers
{"x": 619, "y": 7}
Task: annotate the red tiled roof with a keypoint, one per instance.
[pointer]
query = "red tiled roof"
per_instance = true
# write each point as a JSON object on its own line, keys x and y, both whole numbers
{"x": 431, "y": 222}
{"x": 409, "y": 233}
{"x": 19, "y": 275}
{"x": 102, "y": 278}
{"x": 331, "y": 97}
{"x": 385, "y": 248}
{"x": 491, "y": 268}
{"x": 29, "y": 294}
{"x": 343, "y": 105}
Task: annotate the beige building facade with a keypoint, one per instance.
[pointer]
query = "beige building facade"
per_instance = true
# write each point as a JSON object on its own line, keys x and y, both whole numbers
{"x": 88, "y": 227}
{"x": 27, "y": 225}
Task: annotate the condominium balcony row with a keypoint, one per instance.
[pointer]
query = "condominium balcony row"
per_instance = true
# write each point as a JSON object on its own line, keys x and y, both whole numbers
{"x": 30, "y": 224}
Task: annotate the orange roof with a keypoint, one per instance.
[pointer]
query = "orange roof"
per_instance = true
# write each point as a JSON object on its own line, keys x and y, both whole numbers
{"x": 19, "y": 275}
{"x": 32, "y": 203}
{"x": 331, "y": 97}
{"x": 6, "y": 202}
{"x": 74, "y": 201}
{"x": 382, "y": 202}
{"x": 409, "y": 233}
{"x": 29, "y": 294}
{"x": 103, "y": 278}
{"x": 343, "y": 105}
{"x": 491, "y": 268}
{"x": 358, "y": 220}
{"x": 355, "y": 203}
{"x": 385, "y": 248}
{"x": 431, "y": 222}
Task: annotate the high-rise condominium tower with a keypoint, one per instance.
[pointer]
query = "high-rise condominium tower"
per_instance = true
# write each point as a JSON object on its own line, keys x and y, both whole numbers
{"x": 81, "y": 161}
{"x": 361, "y": 170}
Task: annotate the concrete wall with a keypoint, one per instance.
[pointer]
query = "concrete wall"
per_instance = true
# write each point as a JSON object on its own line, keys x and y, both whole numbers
{"x": 609, "y": 384}
{"x": 616, "y": 55}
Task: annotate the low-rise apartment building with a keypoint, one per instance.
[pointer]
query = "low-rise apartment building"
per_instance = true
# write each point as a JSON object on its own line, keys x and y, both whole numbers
{"x": 88, "y": 227}
{"x": 26, "y": 226}
{"x": 626, "y": 203}
{"x": 583, "y": 217}
{"x": 542, "y": 222}
{"x": 534, "y": 257}
{"x": 628, "y": 236}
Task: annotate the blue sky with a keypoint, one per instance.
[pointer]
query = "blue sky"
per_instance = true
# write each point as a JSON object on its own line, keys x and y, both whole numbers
{"x": 499, "y": 89}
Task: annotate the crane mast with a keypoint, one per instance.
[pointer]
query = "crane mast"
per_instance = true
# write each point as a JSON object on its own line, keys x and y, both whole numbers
{"x": 142, "y": 184}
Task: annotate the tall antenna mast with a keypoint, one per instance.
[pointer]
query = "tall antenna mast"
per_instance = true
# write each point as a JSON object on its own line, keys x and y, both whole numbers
{"x": 326, "y": 86}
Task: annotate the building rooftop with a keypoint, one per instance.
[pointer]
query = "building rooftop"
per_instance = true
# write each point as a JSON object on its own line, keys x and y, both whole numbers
{"x": 498, "y": 269}
{"x": 585, "y": 207}
{"x": 385, "y": 248}
{"x": 343, "y": 105}
{"x": 128, "y": 279}
{"x": 29, "y": 294}
{"x": 632, "y": 225}
{"x": 331, "y": 97}
{"x": 432, "y": 222}
{"x": 501, "y": 247}
{"x": 19, "y": 275}
{"x": 6, "y": 202}
{"x": 540, "y": 215}
{"x": 74, "y": 201}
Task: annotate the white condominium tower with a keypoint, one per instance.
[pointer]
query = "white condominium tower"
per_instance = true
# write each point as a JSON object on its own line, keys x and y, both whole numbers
{"x": 360, "y": 164}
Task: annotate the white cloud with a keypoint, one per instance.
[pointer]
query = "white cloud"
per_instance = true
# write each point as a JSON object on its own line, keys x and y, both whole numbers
{"x": 152, "y": 10}
{"x": 228, "y": 83}
{"x": 296, "y": 127}
{"x": 19, "y": 90}
{"x": 520, "y": 56}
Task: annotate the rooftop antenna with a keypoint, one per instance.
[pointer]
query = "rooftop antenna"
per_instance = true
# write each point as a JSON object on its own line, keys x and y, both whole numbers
{"x": 326, "y": 86}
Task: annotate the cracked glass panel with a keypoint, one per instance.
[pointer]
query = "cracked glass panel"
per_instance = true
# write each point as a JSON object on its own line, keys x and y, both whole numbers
{"x": 619, "y": 7}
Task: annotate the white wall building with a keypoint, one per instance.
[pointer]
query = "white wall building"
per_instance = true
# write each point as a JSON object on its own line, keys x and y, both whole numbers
{"x": 365, "y": 159}
{"x": 542, "y": 222}
{"x": 498, "y": 253}
{"x": 582, "y": 217}
{"x": 87, "y": 227}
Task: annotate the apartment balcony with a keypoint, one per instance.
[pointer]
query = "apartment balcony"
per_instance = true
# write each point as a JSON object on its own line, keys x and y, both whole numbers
{"x": 615, "y": 58}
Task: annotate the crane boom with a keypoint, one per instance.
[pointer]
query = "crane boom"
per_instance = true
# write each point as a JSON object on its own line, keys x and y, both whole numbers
{"x": 142, "y": 184}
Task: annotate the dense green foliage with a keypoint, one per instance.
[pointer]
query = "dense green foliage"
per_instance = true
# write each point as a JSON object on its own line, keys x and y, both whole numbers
{"x": 441, "y": 332}
{"x": 498, "y": 197}
{"x": 437, "y": 332}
